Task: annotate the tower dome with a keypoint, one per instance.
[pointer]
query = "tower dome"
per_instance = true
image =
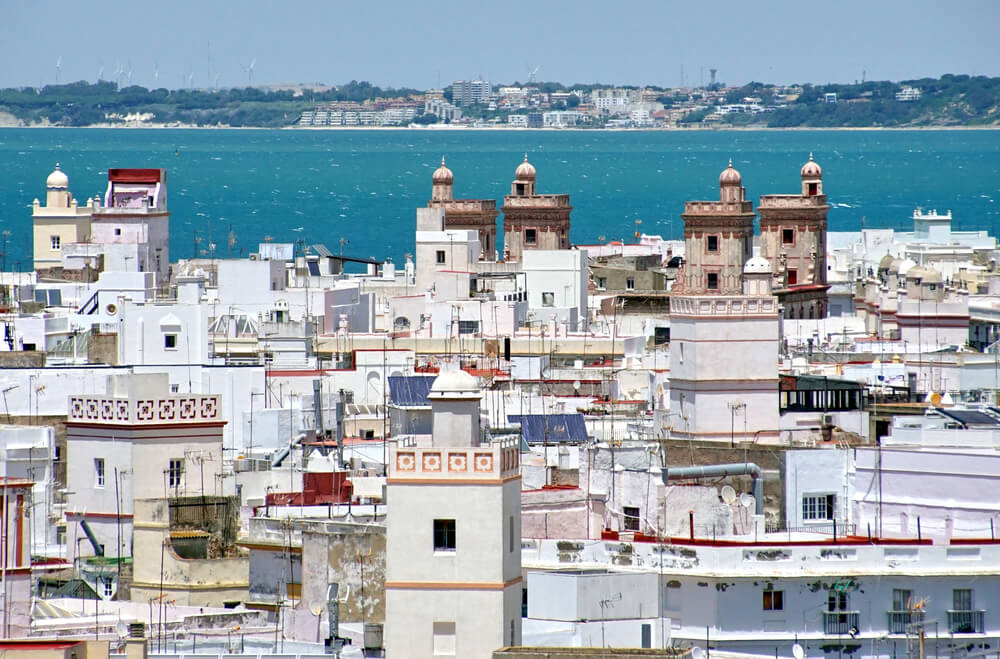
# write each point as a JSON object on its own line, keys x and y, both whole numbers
{"x": 442, "y": 175}
{"x": 757, "y": 265}
{"x": 812, "y": 169}
{"x": 525, "y": 171}
{"x": 57, "y": 179}
{"x": 730, "y": 175}
{"x": 454, "y": 384}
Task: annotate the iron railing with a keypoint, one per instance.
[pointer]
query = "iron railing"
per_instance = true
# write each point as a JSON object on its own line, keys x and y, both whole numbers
{"x": 966, "y": 621}
{"x": 840, "y": 623}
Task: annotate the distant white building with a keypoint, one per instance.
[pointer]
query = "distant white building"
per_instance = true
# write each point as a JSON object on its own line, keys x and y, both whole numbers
{"x": 907, "y": 94}
{"x": 471, "y": 92}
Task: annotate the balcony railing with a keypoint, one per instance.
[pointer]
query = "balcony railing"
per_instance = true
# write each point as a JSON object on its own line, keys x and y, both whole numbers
{"x": 966, "y": 622}
{"x": 900, "y": 621}
{"x": 840, "y": 623}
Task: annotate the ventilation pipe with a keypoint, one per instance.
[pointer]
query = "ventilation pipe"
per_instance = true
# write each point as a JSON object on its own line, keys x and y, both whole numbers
{"x": 717, "y": 471}
{"x": 98, "y": 547}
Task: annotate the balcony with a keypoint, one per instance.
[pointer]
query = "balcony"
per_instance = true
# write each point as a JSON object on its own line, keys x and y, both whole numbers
{"x": 966, "y": 621}
{"x": 840, "y": 623}
{"x": 900, "y": 621}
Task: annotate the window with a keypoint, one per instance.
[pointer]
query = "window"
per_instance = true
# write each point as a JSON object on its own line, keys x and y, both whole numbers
{"x": 602, "y": 282}
{"x": 175, "y": 471}
{"x": 661, "y": 335}
{"x": 444, "y": 535}
{"x": 631, "y": 518}
{"x": 836, "y": 600}
{"x": 818, "y": 507}
{"x": 98, "y": 472}
{"x": 58, "y": 454}
{"x": 530, "y": 236}
{"x": 444, "y": 638}
{"x": 793, "y": 277}
{"x": 713, "y": 281}
{"x": 170, "y": 341}
{"x": 118, "y": 231}
{"x": 61, "y": 535}
{"x": 813, "y": 189}
{"x": 486, "y": 241}
{"x": 175, "y": 388}
{"x": 901, "y": 599}
{"x": 774, "y": 600}
{"x": 510, "y": 527}
{"x": 713, "y": 244}
{"x": 630, "y": 284}
{"x": 788, "y": 236}
{"x": 55, "y": 242}
{"x": 961, "y": 599}
{"x": 548, "y": 299}
{"x": 108, "y": 588}
{"x": 440, "y": 257}
{"x": 468, "y": 327}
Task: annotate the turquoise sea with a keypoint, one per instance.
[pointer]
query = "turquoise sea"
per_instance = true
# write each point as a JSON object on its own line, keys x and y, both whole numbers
{"x": 364, "y": 186}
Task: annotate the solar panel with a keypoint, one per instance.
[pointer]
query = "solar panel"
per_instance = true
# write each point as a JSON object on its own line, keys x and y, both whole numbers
{"x": 551, "y": 428}
{"x": 972, "y": 417}
{"x": 410, "y": 391}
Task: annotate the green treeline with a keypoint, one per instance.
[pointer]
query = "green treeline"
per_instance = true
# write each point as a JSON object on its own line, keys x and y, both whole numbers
{"x": 83, "y": 104}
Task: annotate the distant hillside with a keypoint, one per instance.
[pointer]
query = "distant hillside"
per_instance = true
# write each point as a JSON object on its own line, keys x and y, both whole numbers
{"x": 85, "y": 104}
{"x": 952, "y": 100}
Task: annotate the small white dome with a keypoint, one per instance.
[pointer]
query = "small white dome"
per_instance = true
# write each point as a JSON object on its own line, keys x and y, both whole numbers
{"x": 57, "y": 179}
{"x": 905, "y": 266}
{"x": 757, "y": 265}
{"x": 454, "y": 382}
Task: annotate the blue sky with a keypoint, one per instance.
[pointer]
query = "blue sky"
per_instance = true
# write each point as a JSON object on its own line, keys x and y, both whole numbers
{"x": 418, "y": 44}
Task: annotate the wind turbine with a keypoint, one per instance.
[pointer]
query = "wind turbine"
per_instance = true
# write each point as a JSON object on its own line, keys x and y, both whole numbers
{"x": 156, "y": 71}
{"x": 253, "y": 63}
{"x": 531, "y": 76}
{"x": 191, "y": 80}
{"x": 100, "y": 72}
{"x": 58, "y": 67}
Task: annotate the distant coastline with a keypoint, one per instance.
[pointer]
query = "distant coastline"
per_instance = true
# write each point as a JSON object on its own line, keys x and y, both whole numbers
{"x": 451, "y": 128}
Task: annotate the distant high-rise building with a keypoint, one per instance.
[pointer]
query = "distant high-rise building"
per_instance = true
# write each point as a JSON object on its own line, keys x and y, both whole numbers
{"x": 470, "y": 92}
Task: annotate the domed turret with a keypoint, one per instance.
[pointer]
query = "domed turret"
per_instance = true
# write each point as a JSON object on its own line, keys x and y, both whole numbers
{"x": 57, "y": 189}
{"x": 757, "y": 276}
{"x": 812, "y": 169}
{"x": 730, "y": 175}
{"x": 812, "y": 178}
{"x": 441, "y": 183}
{"x": 524, "y": 179}
{"x": 442, "y": 174}
{"x": 732, "y": 184}
{"x": 757, "y": 265}
{"x": 525, "y": 171}
{"x": 57, "y": 179}
{"x": 454, "y": 398}
{"x": 454, "y": 384}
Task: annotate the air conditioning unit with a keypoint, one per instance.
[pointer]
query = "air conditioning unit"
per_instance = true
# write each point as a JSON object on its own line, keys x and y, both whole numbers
{"x": 254, "y": 257}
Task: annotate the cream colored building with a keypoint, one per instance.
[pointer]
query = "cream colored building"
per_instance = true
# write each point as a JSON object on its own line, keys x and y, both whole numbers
{"x": 453, "y": 534}
{"x": 60, "y": 222}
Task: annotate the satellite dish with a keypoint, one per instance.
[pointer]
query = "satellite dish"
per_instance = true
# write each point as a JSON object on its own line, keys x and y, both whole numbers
{"x": 576, "y": 385}
{"x": 797, "y": 651}
{"x": 697, "y": 653}
{"x": 316, "y": 608}
{"x": 728, "y": 494}
{"x": 746, "y": 500}
{"x": 121, "y": 629}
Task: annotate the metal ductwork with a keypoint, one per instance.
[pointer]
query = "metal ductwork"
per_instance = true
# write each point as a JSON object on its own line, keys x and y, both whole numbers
{"x": 98, "y": 547}
{"x": 717, "y": 471}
